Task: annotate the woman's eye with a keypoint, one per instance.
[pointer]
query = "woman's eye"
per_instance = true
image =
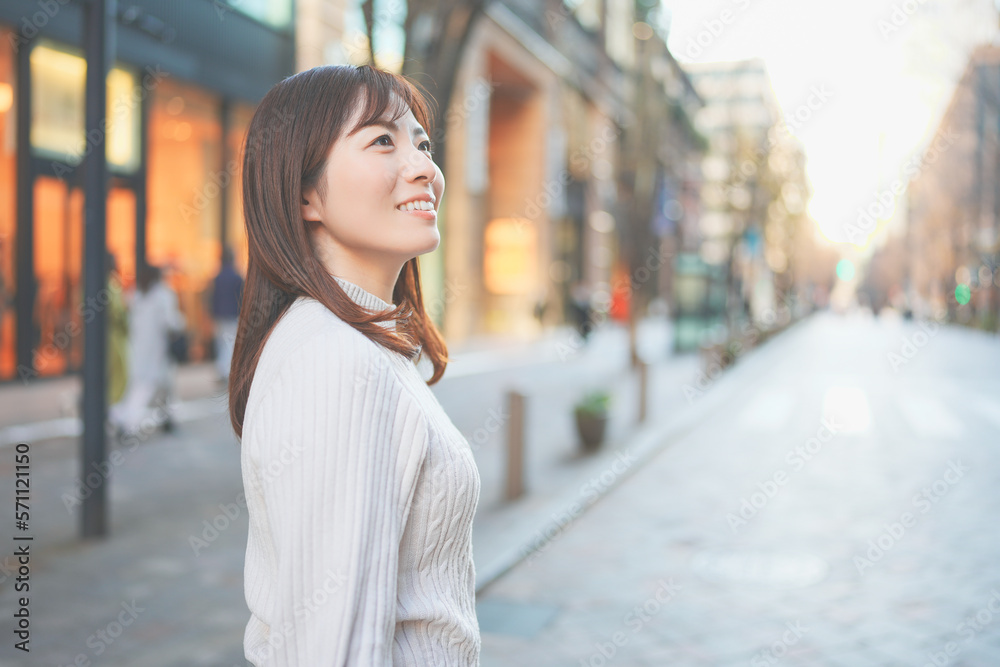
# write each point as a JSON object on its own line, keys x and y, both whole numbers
{"x": 385, "y": 137}
{"x": 426, "y": 146}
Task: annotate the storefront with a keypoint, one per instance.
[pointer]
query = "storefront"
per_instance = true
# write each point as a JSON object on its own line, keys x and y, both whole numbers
{"x": 180, "y": 95}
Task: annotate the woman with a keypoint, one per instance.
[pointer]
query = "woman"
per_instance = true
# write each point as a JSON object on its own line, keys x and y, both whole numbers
{"x": 360, "y": 491}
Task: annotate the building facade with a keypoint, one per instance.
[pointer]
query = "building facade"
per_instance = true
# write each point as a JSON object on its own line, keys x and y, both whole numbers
{"x": 542, "y": 148}
{"x": 953, "y": 225}
{"x": 756, "y": 234}
{"x": 181, "y": 91}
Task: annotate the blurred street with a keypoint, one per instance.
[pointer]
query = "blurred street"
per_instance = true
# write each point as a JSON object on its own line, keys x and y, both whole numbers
{"x": 817, "y": 567}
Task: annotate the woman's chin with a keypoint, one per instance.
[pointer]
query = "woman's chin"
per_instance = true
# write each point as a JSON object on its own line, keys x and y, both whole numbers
{"x": 431, "y": 244}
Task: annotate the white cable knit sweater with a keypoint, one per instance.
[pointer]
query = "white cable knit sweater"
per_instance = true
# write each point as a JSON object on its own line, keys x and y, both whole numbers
{"x": 361, "y": 494}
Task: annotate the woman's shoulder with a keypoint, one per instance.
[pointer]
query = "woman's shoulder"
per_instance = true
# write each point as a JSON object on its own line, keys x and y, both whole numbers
{"x": 304, "y": 318}
{"x": 308, "y": 325}
{"x": 309, "y": 338}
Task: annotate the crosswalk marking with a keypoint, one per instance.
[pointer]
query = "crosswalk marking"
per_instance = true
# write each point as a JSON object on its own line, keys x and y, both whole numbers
{"x": 848, "y": 407}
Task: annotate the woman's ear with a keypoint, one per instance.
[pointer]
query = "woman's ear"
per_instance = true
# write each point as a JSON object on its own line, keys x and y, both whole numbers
{"x": 311, "y": 206}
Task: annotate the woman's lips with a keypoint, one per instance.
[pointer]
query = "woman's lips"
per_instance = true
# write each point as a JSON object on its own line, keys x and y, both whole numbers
{"x": 426, "y": 215}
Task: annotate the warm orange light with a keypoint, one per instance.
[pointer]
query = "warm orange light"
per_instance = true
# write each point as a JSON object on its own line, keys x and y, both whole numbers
{"x": 6, "y": 97}
{"x": 510, "y": 252}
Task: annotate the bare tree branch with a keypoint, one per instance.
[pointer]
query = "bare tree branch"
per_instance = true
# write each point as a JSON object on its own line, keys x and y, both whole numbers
{"x": 368, "y": 9}
{"x": 437, "y": 33}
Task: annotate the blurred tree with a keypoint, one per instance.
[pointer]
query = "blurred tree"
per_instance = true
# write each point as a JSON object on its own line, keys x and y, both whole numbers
{"x": 436, "y": 32}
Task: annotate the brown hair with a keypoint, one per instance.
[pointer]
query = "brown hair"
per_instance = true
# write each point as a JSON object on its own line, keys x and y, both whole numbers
{"x": 284, "y": 154}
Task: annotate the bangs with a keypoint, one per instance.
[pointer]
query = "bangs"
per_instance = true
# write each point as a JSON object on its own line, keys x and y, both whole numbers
{"x": 382, "y": 93}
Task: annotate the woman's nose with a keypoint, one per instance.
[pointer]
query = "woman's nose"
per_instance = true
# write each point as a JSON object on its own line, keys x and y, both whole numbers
{"x": 419, "y": 164}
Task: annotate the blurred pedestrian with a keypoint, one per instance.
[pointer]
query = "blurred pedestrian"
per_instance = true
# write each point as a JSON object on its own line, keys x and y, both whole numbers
{"x": 358, "y": 485}
{"x": 580, "y": 298}
{"x": 621, "y": 296}
{"x": 117, "y": 334}
{"x": 227, "y": 292}
{"x": 154, "y": 314}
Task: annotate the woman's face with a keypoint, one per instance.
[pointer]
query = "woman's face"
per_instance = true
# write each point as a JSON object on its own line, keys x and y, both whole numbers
{"x": 360, "y": 202}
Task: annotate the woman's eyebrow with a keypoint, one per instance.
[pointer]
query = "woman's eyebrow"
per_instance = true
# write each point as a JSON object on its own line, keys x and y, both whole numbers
{"x": 390, "y": 125}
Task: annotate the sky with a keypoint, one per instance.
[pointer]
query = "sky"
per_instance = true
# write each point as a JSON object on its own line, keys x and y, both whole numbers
{"x": 887, "y": 67}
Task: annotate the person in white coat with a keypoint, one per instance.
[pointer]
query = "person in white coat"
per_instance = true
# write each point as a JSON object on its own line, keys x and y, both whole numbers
{"x": 154, "y": 314}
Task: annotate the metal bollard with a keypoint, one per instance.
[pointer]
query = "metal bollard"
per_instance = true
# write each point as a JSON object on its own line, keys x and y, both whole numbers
{"x": 515, "y": 446}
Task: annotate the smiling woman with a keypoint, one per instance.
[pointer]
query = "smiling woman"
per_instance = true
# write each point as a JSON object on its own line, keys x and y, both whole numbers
{"x": 360, "y": 490}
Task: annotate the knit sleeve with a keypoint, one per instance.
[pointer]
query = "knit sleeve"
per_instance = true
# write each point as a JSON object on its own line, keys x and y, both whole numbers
{"x": 337, "y": 468}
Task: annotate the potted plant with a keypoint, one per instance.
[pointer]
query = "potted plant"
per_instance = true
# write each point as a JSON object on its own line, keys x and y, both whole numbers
{"x": 591, "y": 413}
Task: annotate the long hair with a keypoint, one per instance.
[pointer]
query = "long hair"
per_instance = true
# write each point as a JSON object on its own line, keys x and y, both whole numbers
{"x": 284, "y": 154}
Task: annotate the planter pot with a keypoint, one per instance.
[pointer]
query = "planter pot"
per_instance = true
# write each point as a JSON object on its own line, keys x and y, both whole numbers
{"x": 591, "y": 427}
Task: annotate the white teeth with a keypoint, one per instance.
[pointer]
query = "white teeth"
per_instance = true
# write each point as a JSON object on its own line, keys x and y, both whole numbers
{"x": 418, "y": 205}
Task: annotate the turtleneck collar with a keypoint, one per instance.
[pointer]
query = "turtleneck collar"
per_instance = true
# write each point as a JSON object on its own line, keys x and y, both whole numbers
{"x": 367, "y": 300}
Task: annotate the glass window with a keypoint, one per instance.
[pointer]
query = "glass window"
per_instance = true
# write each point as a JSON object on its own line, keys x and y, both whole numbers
{"x": 58, "y": 91}
{"x": 58, "y": 257}
{"x": 124, "y": 108}
{"x": 275, "y": 13}
{"x": 186, "y": 177}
